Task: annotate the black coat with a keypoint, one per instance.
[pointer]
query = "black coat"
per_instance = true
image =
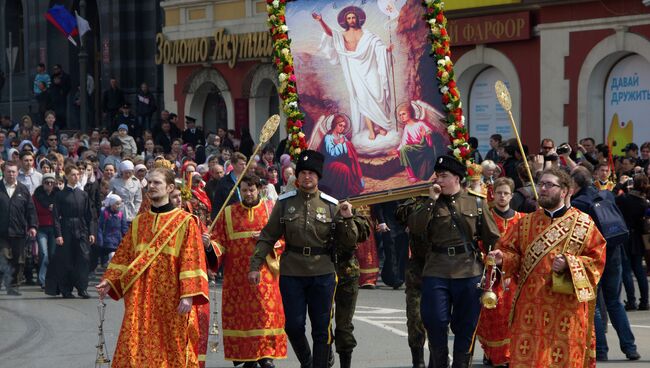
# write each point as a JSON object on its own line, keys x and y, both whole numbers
{"x": 224, "y": 187}
{"x": 18, "y": 213}
{"x": 73, "y": 214}
{"x": 194, "y": 138}
{"x": 633, "y": 206}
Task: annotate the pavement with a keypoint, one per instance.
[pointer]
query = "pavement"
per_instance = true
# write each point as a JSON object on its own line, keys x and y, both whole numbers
{"x": 38, "y": 331}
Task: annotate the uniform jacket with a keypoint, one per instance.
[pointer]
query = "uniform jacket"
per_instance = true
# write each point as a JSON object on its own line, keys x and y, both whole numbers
{"x": 17, "y": 214}
{"x": 305, "y": 220}
{"x": 434, "y": 219}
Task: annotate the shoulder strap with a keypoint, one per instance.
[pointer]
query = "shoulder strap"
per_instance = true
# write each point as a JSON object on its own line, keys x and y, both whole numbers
{"x": 479, "y": 210}
{"x": 458, "y": 222}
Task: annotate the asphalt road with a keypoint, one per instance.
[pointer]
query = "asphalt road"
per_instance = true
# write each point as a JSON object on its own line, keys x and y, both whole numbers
{"x": 37, "y": 331}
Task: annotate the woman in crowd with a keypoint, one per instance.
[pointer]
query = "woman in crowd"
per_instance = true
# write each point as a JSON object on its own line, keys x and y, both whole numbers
{"x": 127, "y": 186}
{"x": 44, "y": 202}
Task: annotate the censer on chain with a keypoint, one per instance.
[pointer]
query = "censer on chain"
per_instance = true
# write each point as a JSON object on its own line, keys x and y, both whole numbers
{"x": 214, "y": 328}
{"x": 489, "y": 298}
{"x": 102, "y": 352}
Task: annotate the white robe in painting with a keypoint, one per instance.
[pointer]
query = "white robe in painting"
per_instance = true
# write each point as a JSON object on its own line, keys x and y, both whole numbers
{"x": 366, "y": 74}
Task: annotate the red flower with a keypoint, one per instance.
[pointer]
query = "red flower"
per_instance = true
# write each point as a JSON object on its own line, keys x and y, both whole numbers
{"x": 282, "y": 19}
{"x": 440, "y": 17}
{"x": 452, "y": 84}
{"x": 288, "y": 69}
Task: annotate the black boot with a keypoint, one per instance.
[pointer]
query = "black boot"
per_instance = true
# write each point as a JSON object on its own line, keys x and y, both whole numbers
{"x": 417, "y": 354}
{"x": 321, "y": 356}
{"x": 345, "y": 359}
{"x": 300, "y": 346}
{"x": 461, "y": 360}
{"x": 438, "y": 356}
{"x": 266, "y": 363}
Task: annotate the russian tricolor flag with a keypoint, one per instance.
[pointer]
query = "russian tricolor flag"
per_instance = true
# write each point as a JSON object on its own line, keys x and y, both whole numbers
{"x": 64, "y": 21}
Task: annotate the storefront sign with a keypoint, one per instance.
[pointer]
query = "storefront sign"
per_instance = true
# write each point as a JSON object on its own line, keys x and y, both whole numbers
{"x": 221, "y": 47}
{"x": 489, "y": 29}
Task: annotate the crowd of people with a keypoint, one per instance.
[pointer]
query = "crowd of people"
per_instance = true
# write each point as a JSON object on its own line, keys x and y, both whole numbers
{"x": 69, "y": 200}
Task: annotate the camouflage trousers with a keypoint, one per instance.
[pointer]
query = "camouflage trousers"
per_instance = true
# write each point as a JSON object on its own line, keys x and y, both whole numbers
{"x": 345, "y": 298}
{"x": 414, "y": 325}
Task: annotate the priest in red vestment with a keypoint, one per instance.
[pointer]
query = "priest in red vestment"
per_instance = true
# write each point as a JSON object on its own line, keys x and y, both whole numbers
{"x": 494, "y": 338}
{"x": 160, "y": 271}
{"x": 556, "y": 255}
{"x": 252, "y": 315}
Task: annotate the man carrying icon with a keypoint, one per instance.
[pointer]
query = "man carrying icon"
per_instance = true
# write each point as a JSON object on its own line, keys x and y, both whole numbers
{"x": 453, "y": 221}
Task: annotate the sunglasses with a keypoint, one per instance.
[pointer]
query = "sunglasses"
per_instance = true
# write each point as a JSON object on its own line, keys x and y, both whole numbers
{"x": 49, "y": 182}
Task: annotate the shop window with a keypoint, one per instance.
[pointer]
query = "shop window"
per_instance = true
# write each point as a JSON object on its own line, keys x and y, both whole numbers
{"x": 485, "y": 114}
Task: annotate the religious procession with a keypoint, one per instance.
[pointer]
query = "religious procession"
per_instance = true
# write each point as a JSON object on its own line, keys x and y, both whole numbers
{"x": 323, "y": 184}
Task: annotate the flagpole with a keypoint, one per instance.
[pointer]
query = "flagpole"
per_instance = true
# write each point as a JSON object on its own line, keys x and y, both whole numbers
{"x": 83, "y": 72}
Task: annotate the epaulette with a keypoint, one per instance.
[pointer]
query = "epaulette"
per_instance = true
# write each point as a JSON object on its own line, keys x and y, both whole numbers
{"x": 287, "y": 195}
{"x": 477, "y": 194}
{"x": 329, "y": 198}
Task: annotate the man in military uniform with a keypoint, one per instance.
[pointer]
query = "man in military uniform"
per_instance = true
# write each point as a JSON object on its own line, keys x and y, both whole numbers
{"x": 418, "y": 245}
{"x": 347, "y": 291}
{"x": 312, "y": 227}
{"x": 453, "y": 222}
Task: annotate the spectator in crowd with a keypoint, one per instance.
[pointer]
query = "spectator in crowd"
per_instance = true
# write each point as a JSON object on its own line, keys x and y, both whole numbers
{"x": 44, "y": 99}
{"x": 227, "y": 183}
{"x": 510, "y": 162}
{"x": 633, "y": 205}
{"x": 213, "y": 145}
{"x": 90, "y": 184}
{"x": 128, "y": 188}
{"x": 226, "y": 154}
{"x": 3, "y": 147}
{"x": 129, "y": 146}
{"x": 476, "y": 154}
{"x": 59, "y": 96}
{"x": 50, "y": 126}
{"x": 41, "y": 77}
{"x": 268, "y": 158}
{"x": 610, "y": 282}
{"x": 75, "y": 226}
{"x": 28, "y": 175}
{"x": 644, "y": 160}
{"x": 546, "y": 147}
{"x": 225, "y": 140}
{"x": 141, "y": 174}
{"x": 192, "y": 135}
{"x": 109, "y": 171}
{"x": 247, "y": 144}
{"x": 587, "y": 148}
{"x": 17, "y": 221}
{"x": 523, "y": 199}
{"x": 125, "y": 117}
{"x": 145, "y": 106}
{"x": 631, "y": 150}
{"x": 44, "y": 204}
{"x": 112, "y": 227}
{"x": 116, "y": 153}
{"x": 177, "y": 151}
{"x": 493, "y": 154}
{"x": 165, "y": 137}
{"x": 148, "y": 150}
{"x": 112, "y": 100}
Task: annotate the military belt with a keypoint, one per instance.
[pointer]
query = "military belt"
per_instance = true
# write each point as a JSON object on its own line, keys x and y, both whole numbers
{"x": 452, "y": 251}
{"x": 308, "y": 251}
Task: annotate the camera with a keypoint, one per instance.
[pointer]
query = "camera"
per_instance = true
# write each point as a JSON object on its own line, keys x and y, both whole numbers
{"x": 629, "y": 183}
{"x": 563, "y": 149}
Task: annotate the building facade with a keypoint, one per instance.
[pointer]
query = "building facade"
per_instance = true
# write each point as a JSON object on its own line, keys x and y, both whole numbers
{"x": 216, "y": 57}
{"x": 121, "y": 44}
{"x": 575, "y": 69}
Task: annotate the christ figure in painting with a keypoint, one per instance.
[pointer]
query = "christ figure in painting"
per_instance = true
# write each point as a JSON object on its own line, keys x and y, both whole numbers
{"x": 364, "y": 59}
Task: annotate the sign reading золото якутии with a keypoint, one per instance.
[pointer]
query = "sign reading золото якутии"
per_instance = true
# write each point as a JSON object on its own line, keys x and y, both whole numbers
{"x": 221, "y": 47}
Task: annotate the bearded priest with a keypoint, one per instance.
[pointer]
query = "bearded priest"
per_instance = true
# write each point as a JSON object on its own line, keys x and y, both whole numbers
{"x": 556, "y": 256}
{"x": 252, "y": 314}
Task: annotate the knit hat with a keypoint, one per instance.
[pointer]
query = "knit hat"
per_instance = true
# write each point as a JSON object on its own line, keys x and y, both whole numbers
{"x": 123, "y": 126}
{"x": 139, "y": 167}
{"x": 50, "y": 176}
{"x": 111, "y": 199}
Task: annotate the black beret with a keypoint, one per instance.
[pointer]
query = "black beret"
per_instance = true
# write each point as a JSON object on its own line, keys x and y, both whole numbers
{"x": 312, "y": 161}
{"x": 451, "y": 164}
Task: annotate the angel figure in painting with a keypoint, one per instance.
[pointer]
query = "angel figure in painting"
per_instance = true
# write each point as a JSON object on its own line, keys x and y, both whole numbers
{"x": 344, "y": 177}
{"x": 417, "y": 148}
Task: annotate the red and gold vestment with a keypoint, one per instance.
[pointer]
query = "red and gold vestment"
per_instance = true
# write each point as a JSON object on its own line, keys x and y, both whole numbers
{"x": 553, "y": 329}
{"x": 252, "y": 316}
{"x": 160, "y": 261}
{"x": 492, "y": 331}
